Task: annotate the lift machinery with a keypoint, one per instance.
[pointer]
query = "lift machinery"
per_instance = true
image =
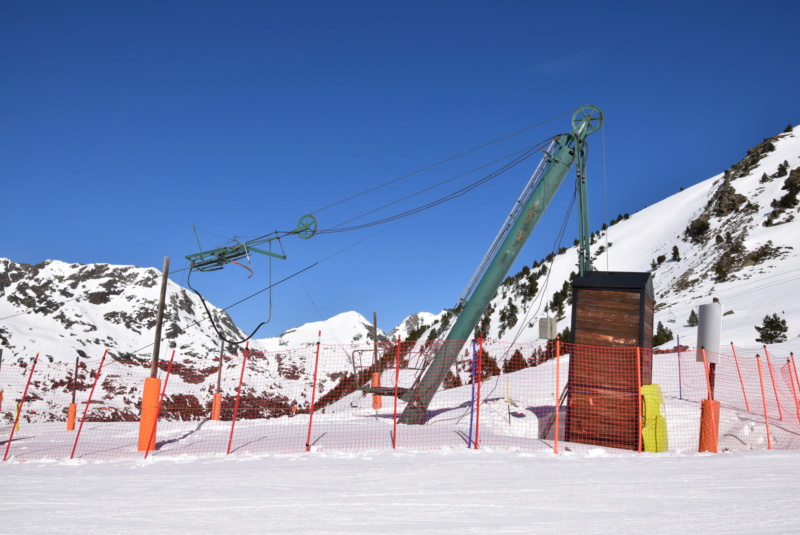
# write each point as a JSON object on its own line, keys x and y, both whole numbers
{"x": 564, "y": 151}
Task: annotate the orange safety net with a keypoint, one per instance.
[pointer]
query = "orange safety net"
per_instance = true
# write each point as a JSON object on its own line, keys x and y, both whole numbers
{"x": 554, "y": 396}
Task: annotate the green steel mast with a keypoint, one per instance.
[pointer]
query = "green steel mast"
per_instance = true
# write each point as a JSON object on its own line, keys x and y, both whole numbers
{"x": 571, "y": 149}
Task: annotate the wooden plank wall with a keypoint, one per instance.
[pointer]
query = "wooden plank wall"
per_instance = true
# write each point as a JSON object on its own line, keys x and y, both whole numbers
{"x": 604, "y": 388}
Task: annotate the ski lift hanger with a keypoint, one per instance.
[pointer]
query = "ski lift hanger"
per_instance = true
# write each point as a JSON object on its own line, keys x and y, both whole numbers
{"x": 216, "y": 259}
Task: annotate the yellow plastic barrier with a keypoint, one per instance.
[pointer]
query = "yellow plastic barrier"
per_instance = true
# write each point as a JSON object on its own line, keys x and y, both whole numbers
{"x": 654, "y": 425}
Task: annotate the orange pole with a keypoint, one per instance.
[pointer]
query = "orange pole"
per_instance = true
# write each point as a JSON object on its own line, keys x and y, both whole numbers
{"x": 88, "y": 402}
{"x": 774, "y": 385}
{"x": 216, "y": 406}
{"x": 15, "y": 427}
{"x": 158, "y": 410}
{"x": 709, "y": 415}
{"x": 557, "y": 397}
{"x": 741, "y": 381}
{"x": 313, "y": 393}
{"x": 709, "y": 426}
{"x": 377, "y": 400}
{"x": 73, "y": 409}
{"x": 764, "y": 402}
{"x": 794, "y": 365}
{"x": 639, "y": 396}
{"x": 149, "y": 414}
{"x": 478, "y": 401}
{"x": 794, "y": 392}
{"x": 396, "y": 386}
{"x": 238, "y": 397}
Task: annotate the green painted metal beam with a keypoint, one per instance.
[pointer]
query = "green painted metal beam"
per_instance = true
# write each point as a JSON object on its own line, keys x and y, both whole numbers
{"x": 216, "y": 259}
{"x": 571, "y": 146}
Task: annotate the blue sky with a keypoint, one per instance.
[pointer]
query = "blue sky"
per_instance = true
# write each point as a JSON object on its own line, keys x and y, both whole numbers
{"x": 124, "y": 123}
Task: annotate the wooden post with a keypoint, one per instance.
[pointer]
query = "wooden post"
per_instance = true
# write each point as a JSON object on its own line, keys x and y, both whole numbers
{"x": 216, "y": 405}
{"x": 377, "y": 400}
{"x": 73, "y": 407}
{"x": 159, "y": 319}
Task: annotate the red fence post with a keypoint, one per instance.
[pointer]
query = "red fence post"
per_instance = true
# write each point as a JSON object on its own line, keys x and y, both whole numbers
{"x": 88, "y": 401}
{"x": 741, "y": 381}
{"x": 639, "y": 396}
{"x": 160, "y": 403}
{"x": 313, "y": 394}
{"x": 19, "y": 407}
{"x": 794, "y": 366}
{"x": 764, "y": 402}
{"x": 794, "y": 392}
{"x": 557, "y": 394}
{"x": 396, "y": 383}
{"x": 480, "y": 381}
{"x": 774, "y": 385}
{"x": 238, "y": 397}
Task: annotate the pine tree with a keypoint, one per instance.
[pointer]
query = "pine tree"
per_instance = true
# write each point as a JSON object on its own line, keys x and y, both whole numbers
{"x": 676, "y": 254}
{"x": 515, "y": 363}
{"x": 662, "y": 336}
{"x": 773, "y": 330}
{"x": 693, "y": 319}
{"x": 451, "y": 380}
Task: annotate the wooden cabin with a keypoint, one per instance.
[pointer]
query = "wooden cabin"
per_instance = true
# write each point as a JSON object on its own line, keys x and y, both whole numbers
{"x": 612, "y": 316}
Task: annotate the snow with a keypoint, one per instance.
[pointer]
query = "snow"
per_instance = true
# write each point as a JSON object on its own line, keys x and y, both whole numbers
{"x": 442, "y": 491}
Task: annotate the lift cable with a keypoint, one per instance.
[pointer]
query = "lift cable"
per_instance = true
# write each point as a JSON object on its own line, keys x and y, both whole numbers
{"x": 451, "y": 158}
{"x": 521, "y": 156}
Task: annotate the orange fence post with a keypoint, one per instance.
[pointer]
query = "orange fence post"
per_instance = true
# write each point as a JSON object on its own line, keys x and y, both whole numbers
{"x": 709, "y": 426}
{"x": 149, "y": 413}
{"x": 478, "y": 401}
{"x": 794, "y": 366}
{"x": 73, "y": 409}
{"x": 88, "y": 402}
{"x": 19, "y": 407}
{"x": 158, "y": 410}
{"x": 794, "y": 392}
{"x": 764, "y": 402}
{"x": 557, "y": 394}
{"x": 774, "y": 384}
{"x": 216, "y": 406}
{"x": 313, "y": 393}
{"x": 639, "y": 395}
{"x": 741, "y": 381}
{"x": 238, "y": 397}
{"x": 377, "y": 400}
{"x": 709, "y": 415}
{"x": 396, "y": 384}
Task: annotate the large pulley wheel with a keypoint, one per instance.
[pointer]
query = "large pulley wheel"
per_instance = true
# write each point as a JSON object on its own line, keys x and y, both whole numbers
{"x": 589, "y": 117}
{"x": 306, "y": 227}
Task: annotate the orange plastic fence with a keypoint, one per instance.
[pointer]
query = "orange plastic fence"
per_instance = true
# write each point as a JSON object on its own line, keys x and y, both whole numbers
{"x": 526, "y": 396}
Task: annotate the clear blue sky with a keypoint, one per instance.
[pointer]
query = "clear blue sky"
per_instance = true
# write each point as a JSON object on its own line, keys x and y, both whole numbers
{"x": 123, "y": 123}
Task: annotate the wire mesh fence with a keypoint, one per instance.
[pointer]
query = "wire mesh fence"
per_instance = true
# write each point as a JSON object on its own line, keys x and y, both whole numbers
{"x": 553, "y": 396}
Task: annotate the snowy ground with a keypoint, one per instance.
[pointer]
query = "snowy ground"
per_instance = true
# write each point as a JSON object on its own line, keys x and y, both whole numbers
{"x": 444, "y": 491}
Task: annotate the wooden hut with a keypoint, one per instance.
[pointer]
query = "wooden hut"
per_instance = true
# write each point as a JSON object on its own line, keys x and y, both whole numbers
{"x": 612, "y": 316}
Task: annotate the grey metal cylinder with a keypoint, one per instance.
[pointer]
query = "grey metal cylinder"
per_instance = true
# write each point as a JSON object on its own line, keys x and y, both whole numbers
{"x": 709, "y": 331}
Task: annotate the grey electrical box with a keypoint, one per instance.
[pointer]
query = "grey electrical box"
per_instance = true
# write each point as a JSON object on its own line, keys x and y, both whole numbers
{"x": 547, "y": 328}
